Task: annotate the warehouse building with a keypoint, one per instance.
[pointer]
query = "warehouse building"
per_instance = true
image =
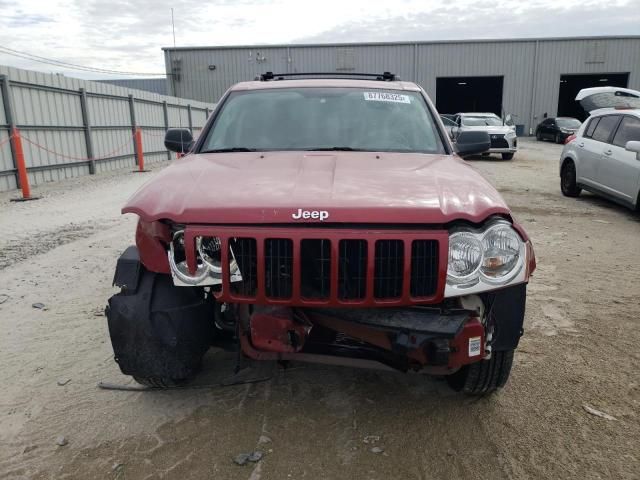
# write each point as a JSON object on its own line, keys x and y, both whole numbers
{"x": 527, "y": 78}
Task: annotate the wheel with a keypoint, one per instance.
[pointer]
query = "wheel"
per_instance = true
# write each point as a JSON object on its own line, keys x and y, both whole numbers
{"x": 160, "y": 332}
{"x": 539, "y": 136}
{"x": 483, "y": 377}
{"x": 568, "y": 180}
{"x": 559, "y": 138}
{"x": 507, "y": 156}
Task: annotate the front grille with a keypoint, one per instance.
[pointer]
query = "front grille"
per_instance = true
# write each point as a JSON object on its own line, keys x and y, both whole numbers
{"x": 320, "y": 266}
{"x": 498, "y": 141}
{"x": 352, "y": 269}
{"x": 245, "y": 252}
{"x": 424, "y": 268}
{"x": 389, "y": 269}
{"x": 315, "y": 264}
{"x": 278, "y": 267}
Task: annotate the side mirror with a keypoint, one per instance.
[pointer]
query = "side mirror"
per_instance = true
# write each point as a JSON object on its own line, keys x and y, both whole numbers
{"x": 471, "y": 143}
{"x": 178, "y": 140}
{"x": 633, "y": 146}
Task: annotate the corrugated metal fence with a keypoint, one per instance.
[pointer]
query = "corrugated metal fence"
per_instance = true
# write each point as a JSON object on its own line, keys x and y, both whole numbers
{"x": 73, "y": 127}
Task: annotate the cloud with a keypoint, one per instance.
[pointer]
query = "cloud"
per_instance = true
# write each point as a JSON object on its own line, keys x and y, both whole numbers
{"x": 26, "y": 19}
{"x": 491, "y": 19}
{"x": 128, "y": 34}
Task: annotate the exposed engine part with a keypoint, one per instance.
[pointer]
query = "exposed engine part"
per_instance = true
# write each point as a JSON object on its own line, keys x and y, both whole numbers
{"x": 274, "y": 329}
{"x": 224, "y": 317}
{"x": 487, "y": 343}
{"x": 473, "y": 303}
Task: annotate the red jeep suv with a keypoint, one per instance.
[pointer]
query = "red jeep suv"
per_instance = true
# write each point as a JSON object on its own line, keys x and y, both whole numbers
{"x": 328, "y": 220}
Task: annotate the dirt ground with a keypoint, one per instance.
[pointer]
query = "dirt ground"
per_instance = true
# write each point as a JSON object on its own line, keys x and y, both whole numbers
{"x": 580, "y": 349}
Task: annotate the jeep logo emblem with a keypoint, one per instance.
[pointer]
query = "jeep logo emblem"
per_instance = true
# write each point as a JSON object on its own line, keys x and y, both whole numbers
{"x": 321, "y": 215}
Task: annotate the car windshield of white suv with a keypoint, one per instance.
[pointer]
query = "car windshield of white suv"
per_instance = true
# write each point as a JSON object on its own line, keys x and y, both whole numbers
{"x": 324, "y": 119}
{"x": 568, "y": 122}
{"x": 481, "y": 121}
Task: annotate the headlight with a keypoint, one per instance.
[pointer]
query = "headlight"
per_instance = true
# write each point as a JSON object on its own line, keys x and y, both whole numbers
{"x": 179, "y": 269}
{"x": 501, "y": 248}
{"x": 511, "y": 133}
{"x": 209, "y": 262}
{"x": 465, "y": 255}
{"x": 481, "y": 260}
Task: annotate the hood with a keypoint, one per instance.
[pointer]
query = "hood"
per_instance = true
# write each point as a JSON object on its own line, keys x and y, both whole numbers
{"x": 608, "y": 97}
{"x": 301, "y": 187}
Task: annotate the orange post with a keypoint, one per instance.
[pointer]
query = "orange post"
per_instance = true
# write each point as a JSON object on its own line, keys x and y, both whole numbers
{"x": 139, "y": 149}
{"x": 23, "y": 178}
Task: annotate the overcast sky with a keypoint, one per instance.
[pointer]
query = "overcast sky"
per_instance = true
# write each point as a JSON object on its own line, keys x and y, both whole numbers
{"x": 127, "y": 35}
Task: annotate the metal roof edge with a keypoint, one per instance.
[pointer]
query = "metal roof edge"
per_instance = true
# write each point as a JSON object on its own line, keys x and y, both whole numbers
{"x": 399, "y": 43}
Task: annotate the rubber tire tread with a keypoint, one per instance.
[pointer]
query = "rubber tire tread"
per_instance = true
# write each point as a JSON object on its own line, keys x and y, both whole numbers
{"x": 483, "y": 377}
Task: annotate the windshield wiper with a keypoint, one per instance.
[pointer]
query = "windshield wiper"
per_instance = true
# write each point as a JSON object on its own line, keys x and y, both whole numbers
{"x": 335, "y": 149}
{"x": 232, "y": 149}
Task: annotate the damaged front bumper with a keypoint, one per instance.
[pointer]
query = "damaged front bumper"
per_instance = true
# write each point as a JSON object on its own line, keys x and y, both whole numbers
{"x": 429, "y": 339}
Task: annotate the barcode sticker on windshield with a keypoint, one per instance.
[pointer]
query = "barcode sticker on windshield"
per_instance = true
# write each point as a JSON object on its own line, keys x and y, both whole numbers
{"x": 474, "y": 346}
{"x": 386, "y": 97}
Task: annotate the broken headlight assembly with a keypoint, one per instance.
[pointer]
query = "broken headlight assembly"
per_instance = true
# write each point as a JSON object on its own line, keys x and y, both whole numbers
{"x": 208, "y": 257}
{"x": 486, "y": 259}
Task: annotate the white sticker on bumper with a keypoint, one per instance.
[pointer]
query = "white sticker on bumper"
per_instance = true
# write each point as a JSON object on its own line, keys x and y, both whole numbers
{"x": 474, "y": 346}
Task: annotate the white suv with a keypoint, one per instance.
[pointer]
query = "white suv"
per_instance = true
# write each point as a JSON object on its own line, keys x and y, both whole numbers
{"x": 604, "y": 156}
{"x": 502, "y": 135}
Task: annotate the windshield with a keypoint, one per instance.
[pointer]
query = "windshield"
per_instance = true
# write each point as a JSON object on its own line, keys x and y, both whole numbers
{"x": 568, "y": 122}
{"x": 324, "y": 119}
{"x": 481, "y": 121}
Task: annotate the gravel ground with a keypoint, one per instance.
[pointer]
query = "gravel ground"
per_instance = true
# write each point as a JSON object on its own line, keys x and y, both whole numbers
{"x": 580, "y": 349}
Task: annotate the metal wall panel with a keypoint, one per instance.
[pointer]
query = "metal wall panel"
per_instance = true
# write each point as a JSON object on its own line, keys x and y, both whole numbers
{"x": 149, "y": 114}
{"x": 531, "y": 67}
{"x": 47, "y": 110}
{"x": 154, "y": 85}
{"x": 178, "y": 117}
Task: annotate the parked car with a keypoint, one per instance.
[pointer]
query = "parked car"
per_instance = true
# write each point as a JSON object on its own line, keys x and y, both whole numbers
{"x": 604, "y": 155}
{"x": 557, "y": 129}
{"x": 326, "y": 220}
{"x": 503, "y": 137}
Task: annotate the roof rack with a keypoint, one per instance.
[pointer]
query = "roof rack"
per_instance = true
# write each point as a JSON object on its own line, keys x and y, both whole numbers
{"x": 384, "y": 77}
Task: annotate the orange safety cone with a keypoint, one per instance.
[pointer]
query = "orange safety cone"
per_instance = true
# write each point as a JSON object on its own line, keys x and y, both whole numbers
{"x": 21, "y": 166}
{"x": 139, "y": 151}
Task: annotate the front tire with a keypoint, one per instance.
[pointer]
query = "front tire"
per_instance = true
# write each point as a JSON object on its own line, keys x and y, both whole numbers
{"x": 559, "y": 138}
{"x": 539, "y": 136}
{"x": 568, "y": 183}
{"x": 160, "y": 332}
{"x": 483, "y": 377}
{"x": 507, "y": 156}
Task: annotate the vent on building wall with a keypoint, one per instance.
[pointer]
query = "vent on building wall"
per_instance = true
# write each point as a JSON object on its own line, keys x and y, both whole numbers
{"x": 176, "y": 69}
{"x": 595, "y": 52}
{"x": 345, "y": 59}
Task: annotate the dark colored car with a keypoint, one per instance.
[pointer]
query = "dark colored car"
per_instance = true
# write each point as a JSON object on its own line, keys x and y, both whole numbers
{"x": 324, "y": 220}
{"x": 557, "y": 129}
